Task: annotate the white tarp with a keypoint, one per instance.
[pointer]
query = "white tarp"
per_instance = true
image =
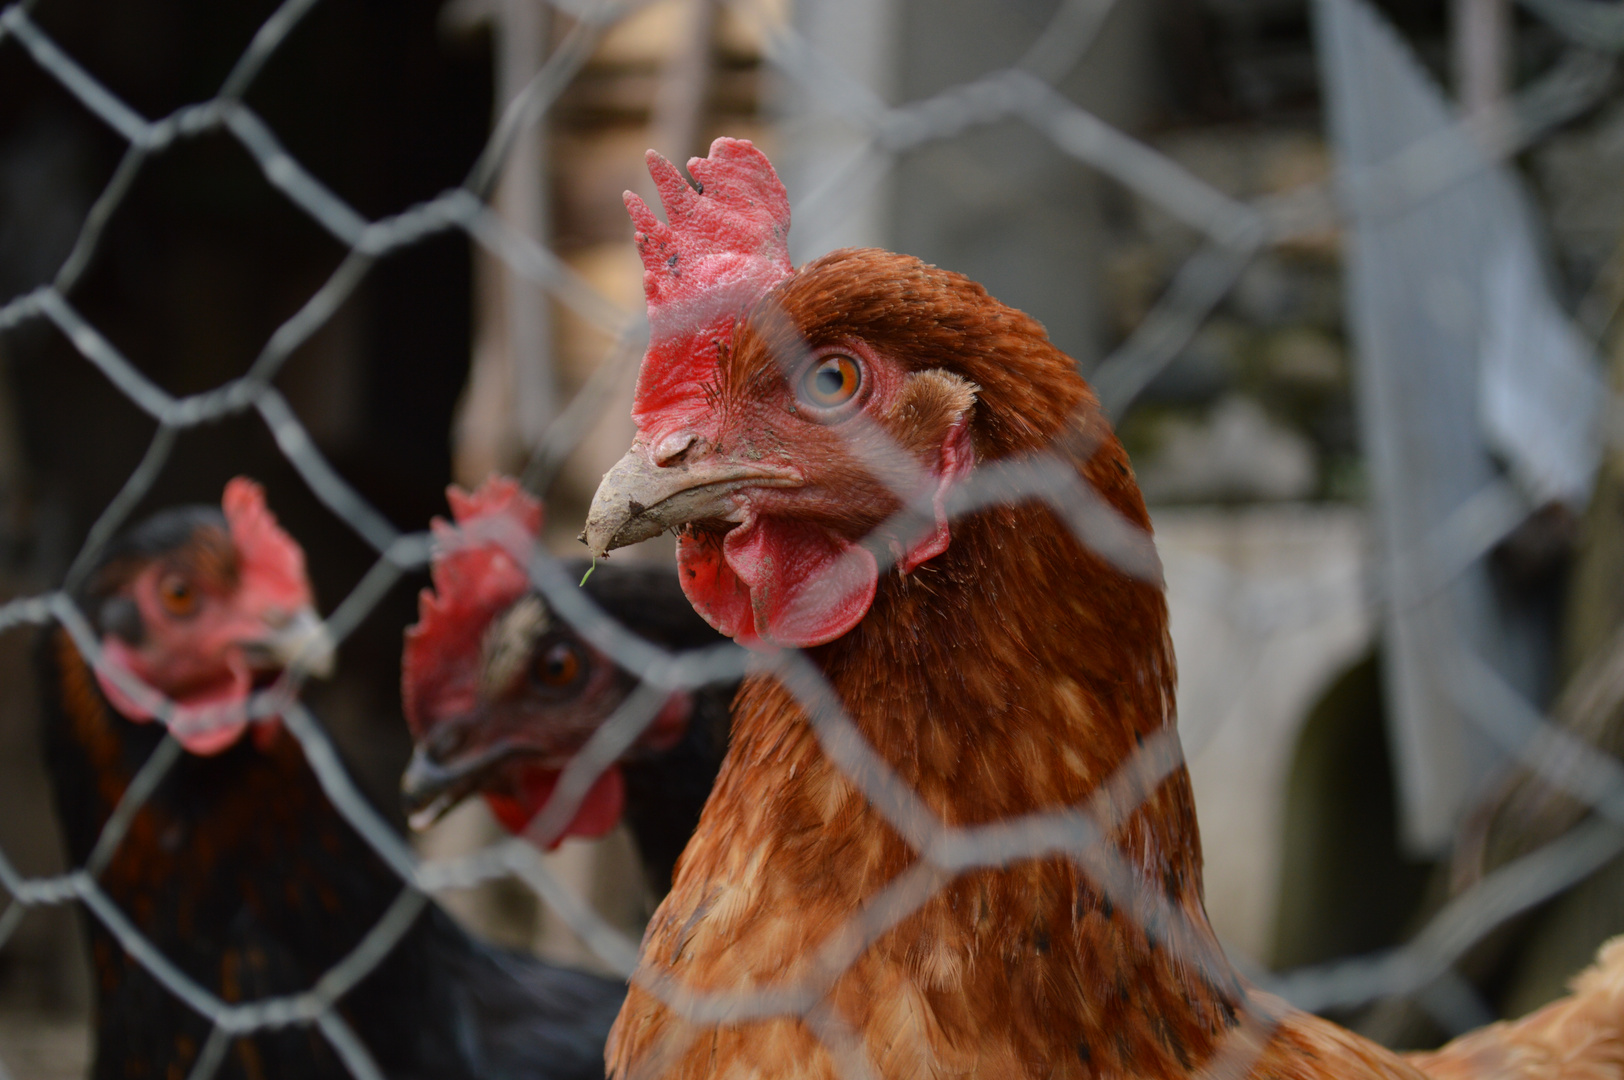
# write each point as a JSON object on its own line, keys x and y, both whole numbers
{"x": 1468, "y": 373}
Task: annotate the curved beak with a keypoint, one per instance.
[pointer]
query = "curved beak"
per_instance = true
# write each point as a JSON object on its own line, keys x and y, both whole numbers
{"x": 430, "y": 787}
{"x": 300, "y": 642}
{"x": 639, "y": 499}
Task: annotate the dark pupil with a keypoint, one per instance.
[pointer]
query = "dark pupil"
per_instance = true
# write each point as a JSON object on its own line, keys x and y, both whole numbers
{"x": 829, "y": 380}
{"x": 558, "y": 665}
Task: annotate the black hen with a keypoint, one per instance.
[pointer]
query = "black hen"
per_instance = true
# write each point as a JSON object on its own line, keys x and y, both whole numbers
{"x": 667, "y": 788}
{"x": 238, "y": 868}
{"x": 501, "y": 693}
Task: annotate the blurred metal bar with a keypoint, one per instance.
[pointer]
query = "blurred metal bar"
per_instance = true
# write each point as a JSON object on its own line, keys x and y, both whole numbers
{"x": 510, "y": 397}
{"x": 677, "y": 126}
{"x": 521, "y": 199}
{"x": 1480, "y": 32}
{"x": 820, "y": 141}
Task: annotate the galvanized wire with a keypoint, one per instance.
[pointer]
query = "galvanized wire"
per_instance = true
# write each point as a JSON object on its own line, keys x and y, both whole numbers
{"x": 1234, "y": 231}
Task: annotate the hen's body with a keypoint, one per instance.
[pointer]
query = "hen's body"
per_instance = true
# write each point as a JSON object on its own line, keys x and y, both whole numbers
{"x": 1011, "y": 671}
{"x": 236, "y": 868}
{"x": 665, "y": 791}
{"x": 241, "y": 873}
{"x": 989, "y": 709}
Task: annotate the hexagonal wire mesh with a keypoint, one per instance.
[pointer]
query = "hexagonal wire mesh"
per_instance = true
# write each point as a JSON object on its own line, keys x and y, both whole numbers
{"x": 1235, "y": 231}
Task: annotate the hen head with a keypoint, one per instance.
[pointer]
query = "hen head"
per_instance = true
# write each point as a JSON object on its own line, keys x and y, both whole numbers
{"x": 786, "y": 418}
{"x": 204, "y": 606}
{"x": 498, "y": 691}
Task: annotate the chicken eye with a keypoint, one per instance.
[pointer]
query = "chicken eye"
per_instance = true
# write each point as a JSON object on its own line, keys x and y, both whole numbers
{"x": 557, "y": 665}
{"x": 177, "y": 596}
{"x": 831, "y": 382}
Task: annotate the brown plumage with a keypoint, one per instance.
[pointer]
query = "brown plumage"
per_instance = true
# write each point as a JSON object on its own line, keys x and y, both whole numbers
{"x": 1010, "y": 671}
{"x": 1576, "y": 1038}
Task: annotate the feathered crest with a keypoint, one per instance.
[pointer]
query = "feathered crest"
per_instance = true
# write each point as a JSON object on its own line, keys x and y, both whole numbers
{"x": 478, "y": 569}
{"x": 726, "y": 246}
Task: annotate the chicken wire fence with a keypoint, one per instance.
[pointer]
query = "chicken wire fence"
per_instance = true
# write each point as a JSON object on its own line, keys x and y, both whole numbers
{"x": 1234, "y": 231}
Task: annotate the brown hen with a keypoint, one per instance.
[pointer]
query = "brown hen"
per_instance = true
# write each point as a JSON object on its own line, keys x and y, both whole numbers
{"x": 998, "y": 666}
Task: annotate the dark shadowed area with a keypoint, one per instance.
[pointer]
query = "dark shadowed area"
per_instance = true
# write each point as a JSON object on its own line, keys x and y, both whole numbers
{"x": 200, "y": 264}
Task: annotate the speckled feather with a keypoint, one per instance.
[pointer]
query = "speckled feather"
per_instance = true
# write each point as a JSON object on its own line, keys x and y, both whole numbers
{"x": 1580, "y": 1037}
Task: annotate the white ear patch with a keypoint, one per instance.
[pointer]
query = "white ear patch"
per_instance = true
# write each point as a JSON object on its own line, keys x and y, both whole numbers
{"x": 508, "y": 641}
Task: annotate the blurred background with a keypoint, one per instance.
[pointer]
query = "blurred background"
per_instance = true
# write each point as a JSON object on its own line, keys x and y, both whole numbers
{"x": 1346, "y": 273}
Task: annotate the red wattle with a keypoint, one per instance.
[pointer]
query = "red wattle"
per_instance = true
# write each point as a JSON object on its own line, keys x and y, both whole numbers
{"x": 806, "y": 585}
{"x": 206, "y": 721}
{"x": 774, "y": 581}
{"x": 778, "y": 582}
{"x": 602, "y": 807}
{"x": 715, "y": 590}
{"x": 509, "y": 812}
{"x": 605, "y": 801}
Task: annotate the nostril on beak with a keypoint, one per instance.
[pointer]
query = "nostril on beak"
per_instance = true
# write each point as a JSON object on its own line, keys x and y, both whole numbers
{"x": 674, "y": 449}
{"x": 443, "y": 742}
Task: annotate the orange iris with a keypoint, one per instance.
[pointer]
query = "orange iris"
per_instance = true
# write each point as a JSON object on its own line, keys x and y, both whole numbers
{"x": 558, "y": 665}
{"x": 832, "y": 381}
{"x": 177, "y": 595}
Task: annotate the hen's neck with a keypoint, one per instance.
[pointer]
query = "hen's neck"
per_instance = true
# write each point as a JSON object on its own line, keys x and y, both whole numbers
{"x": 1020, "y": 672}
{"x": 1017, "y": 673}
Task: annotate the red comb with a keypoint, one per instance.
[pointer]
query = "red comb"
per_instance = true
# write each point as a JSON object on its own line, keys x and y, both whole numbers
{"x": 478, "y": 570}
{"x": 273, "y": 564}
{"x": 498, "y": 498}
{"x": 726, "y": 246}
